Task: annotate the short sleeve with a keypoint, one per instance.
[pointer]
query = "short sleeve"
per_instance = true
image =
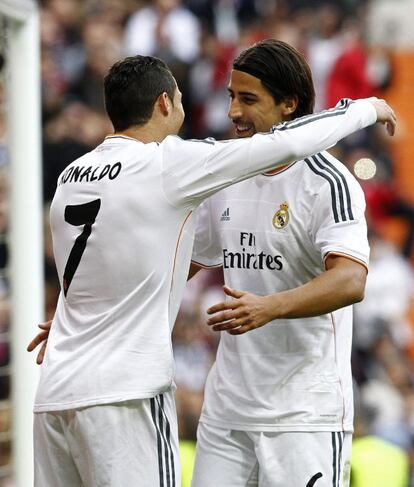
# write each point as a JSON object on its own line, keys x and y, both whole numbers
{"x": 207, "y": 251}
{"x": 338, "y": 220}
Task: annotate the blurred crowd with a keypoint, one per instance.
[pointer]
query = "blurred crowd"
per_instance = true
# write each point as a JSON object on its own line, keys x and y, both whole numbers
{"x": 80, "y": 39}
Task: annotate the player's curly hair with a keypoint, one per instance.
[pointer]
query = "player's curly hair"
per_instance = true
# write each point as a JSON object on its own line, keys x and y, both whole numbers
{"x": 132, "y": 87}
{"x": 282, "y": 70}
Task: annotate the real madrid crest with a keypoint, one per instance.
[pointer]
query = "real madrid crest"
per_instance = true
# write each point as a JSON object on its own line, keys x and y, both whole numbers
{"x": 281, "y": 217}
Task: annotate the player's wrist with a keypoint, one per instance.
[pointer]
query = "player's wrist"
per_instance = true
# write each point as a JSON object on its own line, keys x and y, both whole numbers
{"x": 272, "y": 306}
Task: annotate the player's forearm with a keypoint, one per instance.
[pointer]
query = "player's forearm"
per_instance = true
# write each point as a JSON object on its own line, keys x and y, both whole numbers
{"x": 340, "y": 285}
{"x": 327, "y": 292}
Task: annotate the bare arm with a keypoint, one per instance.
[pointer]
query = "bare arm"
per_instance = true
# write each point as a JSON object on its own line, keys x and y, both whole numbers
{"x": 342, "y": 284}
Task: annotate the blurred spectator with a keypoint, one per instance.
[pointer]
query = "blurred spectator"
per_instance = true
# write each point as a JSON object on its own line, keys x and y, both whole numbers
{"x": 324, "y": 48}
{"x": 349, "y": 77}
{"x": 103, "y": 47}
{"x": 384, "y": 202}
{"x": 164, "y": 29}
{"x": 208, "y": 79}
{"x": 360, "y": 70}
{"x": 111, "y": 11}
{"x": 388, "y": 297}
{"x": 61, "y": 27}
{"x": 74, "y": 131}
{"x": 61, "y": 49}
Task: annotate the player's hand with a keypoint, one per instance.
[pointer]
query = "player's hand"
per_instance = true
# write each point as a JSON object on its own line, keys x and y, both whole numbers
{"x": 40, "y": 339}
{"x": 385, "y": 114}
{"x": 239, "y": 315}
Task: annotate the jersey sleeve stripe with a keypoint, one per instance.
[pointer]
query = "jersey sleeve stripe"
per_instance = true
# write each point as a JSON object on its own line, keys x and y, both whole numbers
{"x": 345, "y": 183}
{"x": 321, "y": 166}
{"x": 332, "y": 112}
{"x": 336, "y": 180}
{"x": 331, "y": 184}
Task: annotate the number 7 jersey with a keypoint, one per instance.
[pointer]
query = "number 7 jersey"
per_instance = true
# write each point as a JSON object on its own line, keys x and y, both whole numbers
{"x": 122, "y": 230}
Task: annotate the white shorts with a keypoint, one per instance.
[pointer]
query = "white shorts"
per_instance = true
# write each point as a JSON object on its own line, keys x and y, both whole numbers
{"x": 227, "y": 458}
{"x": 126, "y": 444}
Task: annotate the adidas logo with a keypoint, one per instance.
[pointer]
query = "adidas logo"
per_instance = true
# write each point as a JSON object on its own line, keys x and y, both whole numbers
{"x": 225, "y": 217}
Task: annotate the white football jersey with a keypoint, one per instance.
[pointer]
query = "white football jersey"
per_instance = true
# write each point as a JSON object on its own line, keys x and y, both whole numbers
{"x": 122, "y": 237}
{"x": 273, "y": 233}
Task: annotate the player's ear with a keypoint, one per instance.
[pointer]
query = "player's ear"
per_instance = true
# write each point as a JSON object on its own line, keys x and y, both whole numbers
{"x": 289, "y": 105}
{"x": 164, "y": 103}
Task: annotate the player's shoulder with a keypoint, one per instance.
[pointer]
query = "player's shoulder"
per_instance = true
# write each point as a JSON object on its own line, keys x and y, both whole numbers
{"x": 177, "y": 151}
{"x": 176, "y": 140}
{"x": 325, "y": 170}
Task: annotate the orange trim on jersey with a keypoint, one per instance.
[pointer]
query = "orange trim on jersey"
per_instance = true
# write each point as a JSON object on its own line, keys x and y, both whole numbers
{"x": 203, "y": 266}
{"x": 273, "y": 172}
{"x": 336, "y": 362}
{"x": 347, "y": 256}
{"x": 176, "y": 247}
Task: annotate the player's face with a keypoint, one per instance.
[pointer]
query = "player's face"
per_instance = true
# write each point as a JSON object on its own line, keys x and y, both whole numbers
{"x": 252, "y": 107}
{"x": 177, "y": 117}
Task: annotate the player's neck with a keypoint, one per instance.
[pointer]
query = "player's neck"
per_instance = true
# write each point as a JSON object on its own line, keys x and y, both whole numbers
{"x": 272, "y": 172}
{"x": 144, "y": 133}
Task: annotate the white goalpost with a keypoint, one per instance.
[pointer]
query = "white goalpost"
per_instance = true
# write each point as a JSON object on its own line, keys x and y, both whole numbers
{"x": 22, "y": 67}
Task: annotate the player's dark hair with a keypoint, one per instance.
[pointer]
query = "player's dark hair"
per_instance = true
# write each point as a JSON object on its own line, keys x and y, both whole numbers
{"x": 132, "y": 87}
{"x": 282, "y": 70}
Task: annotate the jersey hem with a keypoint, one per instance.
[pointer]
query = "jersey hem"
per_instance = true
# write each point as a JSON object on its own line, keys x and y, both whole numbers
{"x": 347, "y": 428}
{"x": 339, "y": 253}
{"x": 205, "y": 266}
{"x": 48, "y": 407}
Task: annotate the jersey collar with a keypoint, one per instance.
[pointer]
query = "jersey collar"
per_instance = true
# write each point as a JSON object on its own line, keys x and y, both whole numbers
{"x": 120, "y": 136}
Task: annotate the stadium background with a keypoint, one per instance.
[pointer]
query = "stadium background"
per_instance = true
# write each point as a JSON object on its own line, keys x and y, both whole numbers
{"x": 356, "y": 49}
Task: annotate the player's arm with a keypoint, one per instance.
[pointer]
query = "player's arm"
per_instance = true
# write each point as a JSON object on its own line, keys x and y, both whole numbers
{"x": 194, "y": 170}
{"x": 342, "y": 284}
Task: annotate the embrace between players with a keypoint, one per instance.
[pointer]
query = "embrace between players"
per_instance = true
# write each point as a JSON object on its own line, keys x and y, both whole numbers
{"x": 278, "y": 406}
